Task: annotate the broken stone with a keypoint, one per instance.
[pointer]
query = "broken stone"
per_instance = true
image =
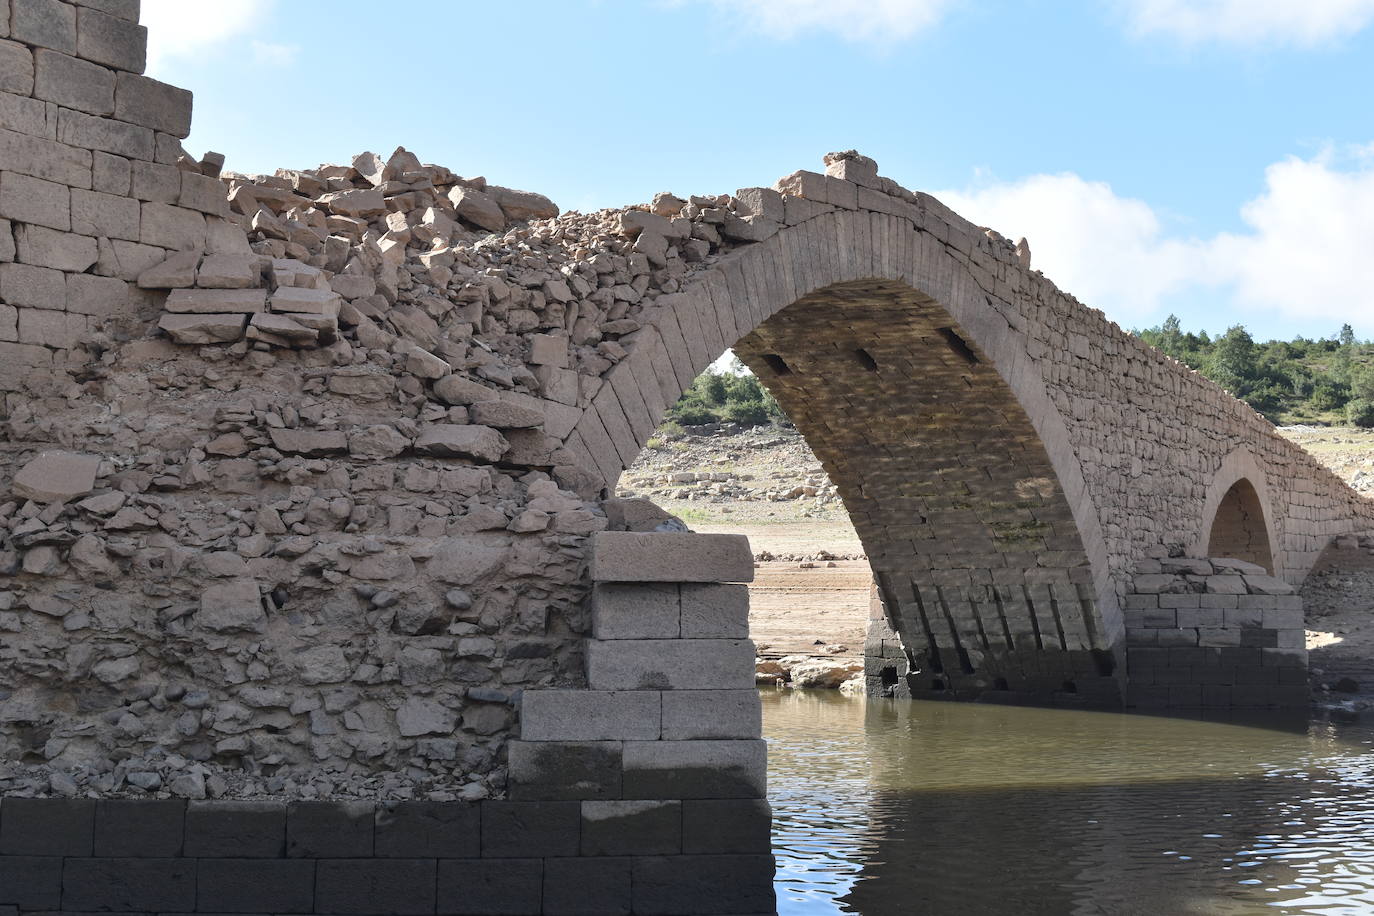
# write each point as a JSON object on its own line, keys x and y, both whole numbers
{"x": 227, "y": 271}
{"x": 376, "y": 442}
{"x": 478, "y": 209}
{"x": 310, "y": 442}
{"x": 176, "y": 272}
{"x": 233, "y": 606}
{"x": 450, "y": 441}
{"x": 56, "y": 476}
{"x": 306, "y": 301}
{"x": 217, "y": 301}
{"x": 504, "y": 415}
{"x": 203, "y": 329}
{"x": 456, "y": 389}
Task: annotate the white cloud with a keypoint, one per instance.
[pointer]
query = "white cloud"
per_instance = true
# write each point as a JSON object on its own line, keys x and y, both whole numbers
{"x": 1109, "y": 251}
{"x": 1306, "y": 251}
{"x": 874, "y": 21}
{"x": 1277, "y": 22}
{"x": 182, "y": 29}
{"x": 274, "y": 55}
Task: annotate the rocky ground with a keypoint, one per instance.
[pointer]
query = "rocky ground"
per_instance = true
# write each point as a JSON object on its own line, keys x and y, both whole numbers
{"x": 809, "y": 600}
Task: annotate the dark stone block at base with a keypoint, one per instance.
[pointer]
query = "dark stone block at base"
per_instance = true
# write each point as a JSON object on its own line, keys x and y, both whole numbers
{"x": 491, "y": 887}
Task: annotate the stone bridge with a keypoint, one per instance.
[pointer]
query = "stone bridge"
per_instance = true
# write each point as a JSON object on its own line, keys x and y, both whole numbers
{"x": 1008, "y": 456}
{"x": 315, "y": 596}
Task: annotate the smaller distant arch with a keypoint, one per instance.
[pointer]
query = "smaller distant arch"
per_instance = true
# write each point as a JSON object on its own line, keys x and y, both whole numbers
{"x": 1236, "y": 521}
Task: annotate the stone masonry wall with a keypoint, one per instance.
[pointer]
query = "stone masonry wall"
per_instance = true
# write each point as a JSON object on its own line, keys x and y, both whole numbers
{"x": 298, "y": 500}
{"x": 1214, "y": 633}
{"x": 92, "y": 188}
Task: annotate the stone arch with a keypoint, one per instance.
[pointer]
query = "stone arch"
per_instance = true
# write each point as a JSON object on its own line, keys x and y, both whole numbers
{"x": 1237, "y": 520}
{"x": 877, "y": 309}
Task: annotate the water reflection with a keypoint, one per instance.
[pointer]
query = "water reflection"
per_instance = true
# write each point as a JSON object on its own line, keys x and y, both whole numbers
{"x": 897, "y": 807}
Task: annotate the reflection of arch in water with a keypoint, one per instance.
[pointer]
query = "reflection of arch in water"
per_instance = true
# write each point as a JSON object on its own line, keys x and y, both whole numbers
{"x": 1236, "y": 517}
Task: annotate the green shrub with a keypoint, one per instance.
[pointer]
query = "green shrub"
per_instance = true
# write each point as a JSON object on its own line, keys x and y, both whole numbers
{"x": 747, "y": 413}
{"x": 1360, "y": 412}
{"x": 693, "y": 415}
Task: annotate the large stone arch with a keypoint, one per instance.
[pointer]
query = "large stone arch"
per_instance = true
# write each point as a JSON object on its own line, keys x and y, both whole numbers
{"x": 867, "y": 313}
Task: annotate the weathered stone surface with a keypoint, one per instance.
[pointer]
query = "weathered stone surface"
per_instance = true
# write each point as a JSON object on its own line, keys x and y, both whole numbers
{"x": 504, "y": 415}
{"x": 217, "y": 301}
{"x": 455, "y": 389}
{"x": 176, "y": 272}
{"x": 56, "y": 476}
{"x": 590, "y": 715}
{"x": 231, "y": 606}
{"x": 449, "y": 441}
{"x": 203, "y": 329}
{"x": 624, "y": 556}
{"x": 478, "y": 209}
{"x": 669, "y": 664}
{"x": 310, "y": 441}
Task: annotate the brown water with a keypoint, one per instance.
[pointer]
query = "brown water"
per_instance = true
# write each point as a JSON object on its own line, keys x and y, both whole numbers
{"x": 911, "y": 807}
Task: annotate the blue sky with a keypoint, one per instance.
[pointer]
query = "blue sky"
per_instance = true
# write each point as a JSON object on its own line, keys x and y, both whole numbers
{"x": 1212, "y": 158}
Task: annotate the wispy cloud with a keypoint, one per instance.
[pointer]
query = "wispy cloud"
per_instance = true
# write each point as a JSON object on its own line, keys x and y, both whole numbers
{"x": 1304, "y": 252}
{"x": 274, "y": 55}
{"x": 186, "y": 29}
{"x": 1302, "y": 23}
{"x": 883, "y": 22}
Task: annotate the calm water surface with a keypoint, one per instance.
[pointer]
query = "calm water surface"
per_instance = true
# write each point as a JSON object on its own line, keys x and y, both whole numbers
{"x": 909, "y": 807}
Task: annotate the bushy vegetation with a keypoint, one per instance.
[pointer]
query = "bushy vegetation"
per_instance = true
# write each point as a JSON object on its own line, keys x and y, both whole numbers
{"x": 1330, "y": 380}
{"x": 1327, "y": 380}
{"x": 727, "y": 395}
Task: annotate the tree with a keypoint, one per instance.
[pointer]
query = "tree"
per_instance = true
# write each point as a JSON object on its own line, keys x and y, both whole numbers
{"x": 1232, "y": 362}
{"x": 1347, "y": 336}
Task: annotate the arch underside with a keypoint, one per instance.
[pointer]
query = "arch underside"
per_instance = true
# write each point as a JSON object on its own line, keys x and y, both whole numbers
{"x": 980, "y": 567}
{"x": 1238, "y": 528}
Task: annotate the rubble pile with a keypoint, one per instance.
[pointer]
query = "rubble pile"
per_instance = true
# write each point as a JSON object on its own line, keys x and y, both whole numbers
{"x": 310, "y": 530}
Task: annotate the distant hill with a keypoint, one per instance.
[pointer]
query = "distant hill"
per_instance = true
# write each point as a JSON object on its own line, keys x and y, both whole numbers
{"x": 1329, "y": 381}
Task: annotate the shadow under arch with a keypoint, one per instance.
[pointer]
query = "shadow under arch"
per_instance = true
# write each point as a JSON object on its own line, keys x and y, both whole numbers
{"x": 985, "y": 585}
{"x": 1236, "y": 519}
{"x": 883, "y": 321}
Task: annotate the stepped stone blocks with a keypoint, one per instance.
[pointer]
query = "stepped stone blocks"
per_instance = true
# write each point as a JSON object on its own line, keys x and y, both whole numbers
{"x": 1214, "y": 633}
{"x": 664, "y": 749}
{"x": 703, "y": 856}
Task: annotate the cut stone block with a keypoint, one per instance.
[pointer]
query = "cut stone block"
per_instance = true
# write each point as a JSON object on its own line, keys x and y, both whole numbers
{"x": 45, "y": 23}
{"x": 147, "y": 102}
{"x": 310, "y": 442}
{"x": 589, "y": 715}
{"x": 636, "y": 610}
{"x": 228, "y": 271}
{"x": 203, "y": 329}
{"x": 176, "y": 272}
{"x": 73, "y": 83}
{"x": 200, "y": 301}
{"x": 694, "y": 714}
{"x": 56, "y": 477}
{"x": 695, "y": 769}
{"x": 281, "y": 329}
{"x": 670, "y": 664}
{"x": 714, "y": 611}
{"x": 652, "y": 556}
{"x": 306, "y": 301}
{"x": 448, "y": 440}
{"x": 33, "y": 200}
{"x": 561, "y": 770}
{"x": 623, "y": 828}
{"x": 110, "y": 40}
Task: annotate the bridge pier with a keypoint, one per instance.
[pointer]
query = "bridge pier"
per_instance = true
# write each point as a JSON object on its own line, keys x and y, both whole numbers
{"x": 1214, "y": 633}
